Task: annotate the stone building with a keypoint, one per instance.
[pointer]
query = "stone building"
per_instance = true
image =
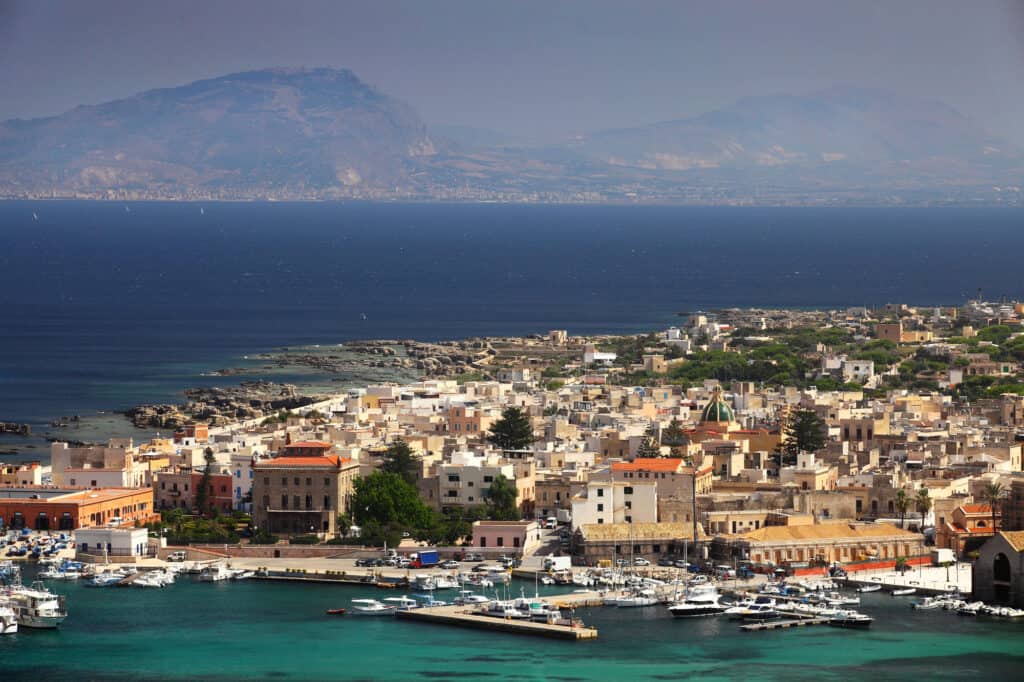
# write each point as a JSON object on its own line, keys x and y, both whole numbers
{"x": 302, "y": 494}
{"x": 998, "y": 574}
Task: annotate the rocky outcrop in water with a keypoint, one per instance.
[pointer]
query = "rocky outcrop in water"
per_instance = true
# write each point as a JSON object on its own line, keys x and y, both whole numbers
{"x": 15, "y": 429}
{"x": 221, "y": 405}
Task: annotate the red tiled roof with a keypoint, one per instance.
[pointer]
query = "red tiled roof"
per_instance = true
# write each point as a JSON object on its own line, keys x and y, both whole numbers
{"x": 667, "y": 464}
{"x": 976, "y": 508}
{"x": 284, "y": 462}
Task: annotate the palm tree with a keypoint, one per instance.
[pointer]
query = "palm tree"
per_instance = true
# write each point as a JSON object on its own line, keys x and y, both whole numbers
{"x": 923, "y": 503}
{"x": 993, "y": 494}
{"x": 902, "y": 504}
{"x": 902, "y": 565}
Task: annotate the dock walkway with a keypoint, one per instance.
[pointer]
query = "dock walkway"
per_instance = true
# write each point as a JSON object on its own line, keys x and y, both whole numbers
{"x": 467, "y": 617}
{"x": 782, "y": 624}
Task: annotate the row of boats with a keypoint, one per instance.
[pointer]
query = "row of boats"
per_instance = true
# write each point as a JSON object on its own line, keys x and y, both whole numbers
{"x": 705, "y": 600}
{"x": 953, "y": 602}
{"x": 32, "y": 607}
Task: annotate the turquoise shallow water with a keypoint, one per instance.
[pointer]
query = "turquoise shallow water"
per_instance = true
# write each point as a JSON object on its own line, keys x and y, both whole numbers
{"x": 279, "y": 631}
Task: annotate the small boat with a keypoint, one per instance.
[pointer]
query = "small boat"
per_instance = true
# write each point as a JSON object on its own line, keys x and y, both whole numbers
{"x": 869, "y": 588}
{"x": 904, "y": 592}
{"x": 105, "y": 579}
{"x": 335, "y": 612}
{"x": 638, "y": 598}
{"x": 850, "y": 619}
{"x": 469, "y": 597}
{"x": 929, "y": 603}
{"x": 8, "y": 620}
{"x": 215, "y": 573}
{"x": 402, "y": 603}
{"x": 371, "y": 607}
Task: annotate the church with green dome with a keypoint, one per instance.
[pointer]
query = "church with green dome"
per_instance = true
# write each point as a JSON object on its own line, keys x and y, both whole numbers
{"x": 717, "y": 411}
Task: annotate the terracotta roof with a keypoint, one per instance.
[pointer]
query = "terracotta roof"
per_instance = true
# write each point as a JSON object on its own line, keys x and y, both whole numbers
{"x": 1015, "y": 538}
{"x": 667, "y": 464}
{"x": 976, "y": 508}
{"x": 285, "y": 462}
{"x": 638, "y": 531}
{"x": 309, "y": 444}
{"x": 826, "y": 531}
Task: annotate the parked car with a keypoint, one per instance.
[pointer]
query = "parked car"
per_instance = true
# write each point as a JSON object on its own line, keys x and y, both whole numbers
{"x": 640, "y": 561}
{"x": 473, "y": 556}
{"x": 679, "y": 563}
{"x": 450, "y": 564}
{"x": 364, "y": 562}
{"x": 622, "y": 563}
{"x": 666, "y": 561}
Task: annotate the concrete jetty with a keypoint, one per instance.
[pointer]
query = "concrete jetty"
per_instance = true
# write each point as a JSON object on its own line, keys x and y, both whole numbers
{"x": 783, "y": 624}
{"x": 468, "y": 617}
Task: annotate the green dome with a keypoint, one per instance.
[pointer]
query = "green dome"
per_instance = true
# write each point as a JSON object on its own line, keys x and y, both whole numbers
{"x": 717, "y": 410}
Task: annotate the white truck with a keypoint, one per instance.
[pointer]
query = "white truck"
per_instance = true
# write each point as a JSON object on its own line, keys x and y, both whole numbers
{"x": 564, "y": 516}
{"x": 941, "y": 556}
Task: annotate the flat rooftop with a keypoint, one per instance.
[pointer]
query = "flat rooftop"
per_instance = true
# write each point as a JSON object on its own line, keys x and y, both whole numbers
{"x": 33, "y": 493}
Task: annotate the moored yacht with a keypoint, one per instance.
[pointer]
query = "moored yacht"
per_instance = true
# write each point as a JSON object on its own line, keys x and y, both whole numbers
{"x": 850, "y": 619}
{"x": 702, "y": 600}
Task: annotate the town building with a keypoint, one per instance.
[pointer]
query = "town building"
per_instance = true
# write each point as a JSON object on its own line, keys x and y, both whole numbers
{"x": 302, "y": 493}
{"x": 512, "y": 536}
{"x": 68, "y": 509}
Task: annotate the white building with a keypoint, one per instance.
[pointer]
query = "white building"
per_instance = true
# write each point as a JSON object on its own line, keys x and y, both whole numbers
{"x": 593, "y": 356}
{"x": 616, "y": 502}
{"x": 112, "y": 542}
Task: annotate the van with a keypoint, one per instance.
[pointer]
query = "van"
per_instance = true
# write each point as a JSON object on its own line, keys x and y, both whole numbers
{"x": 177, "y": 556}
{"x": 551, "y": 522}
{"x": 114, "y": 522}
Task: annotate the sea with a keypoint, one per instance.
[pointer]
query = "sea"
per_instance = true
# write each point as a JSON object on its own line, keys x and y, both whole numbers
{"x": 272, "y": 631}
{"x": 104, "y": 305}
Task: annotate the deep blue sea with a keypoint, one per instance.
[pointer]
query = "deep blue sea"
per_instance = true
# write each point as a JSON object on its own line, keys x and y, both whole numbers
{"x": 105, "y": 305}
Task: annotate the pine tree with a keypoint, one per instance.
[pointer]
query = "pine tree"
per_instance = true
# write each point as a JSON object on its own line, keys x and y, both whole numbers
{"x": 513, "y": 431}
{"x": 400, "y": 459}
{"x": 804, "y": 432}
{"x": 648, "y": 448}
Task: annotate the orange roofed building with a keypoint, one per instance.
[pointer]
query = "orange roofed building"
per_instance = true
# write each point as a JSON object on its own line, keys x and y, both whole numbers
{"x": 674, "y": 483}
{"x": 63, "y": 509}
{"x": 303, "y": 490}
{"x": 967, "y": 528}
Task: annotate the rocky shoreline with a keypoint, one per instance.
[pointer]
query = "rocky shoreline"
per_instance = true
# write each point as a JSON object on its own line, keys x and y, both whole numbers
{"x": 14, "y": 429}
{"x": 216, "y": 405}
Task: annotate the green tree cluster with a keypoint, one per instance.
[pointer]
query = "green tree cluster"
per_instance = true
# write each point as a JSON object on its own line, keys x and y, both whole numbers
{"x": 512, "y": 431}
{"x": 804, "y": 432}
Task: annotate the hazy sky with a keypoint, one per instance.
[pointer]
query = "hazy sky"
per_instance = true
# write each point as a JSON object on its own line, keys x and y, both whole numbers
{"x": 529, "y": 68}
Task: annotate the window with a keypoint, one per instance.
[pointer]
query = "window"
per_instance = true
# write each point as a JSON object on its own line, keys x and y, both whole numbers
{"x": 470, "y": 498}
{"x": 296, "y": 480}
{"x": 309, "y": 481}
{"x": 600, "y": 520}
{"x": 327, "y": 481}
{"x": 515, "y": 542}
{"x": 453, "y": 478}
{"x": 629, "y": 504}
{"x": 628, "y": 490}
{"x": 600, "y": 507}
{"x": 296, "y": 500}
{"x": 469, "y": 483}
{"x": 327, "y": 501}
{"x": 501, "y": 541}
{"x": 488, "y": 479}
{"x": 93, "y": 484}
{"x": 284, "y": 502}
{"x": 629, "y": 519}
{"x": 451, "y": 493}
{"x": 600, "y": 492}
{"x": 309, "y": 501}
{"x": 284, "y": 480}
{"x": 266, "y": 501}
{"x": 483, "y": 542}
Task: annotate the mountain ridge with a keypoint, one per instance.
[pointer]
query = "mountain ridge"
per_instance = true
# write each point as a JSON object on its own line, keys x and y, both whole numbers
{"x": 322, "y": 133}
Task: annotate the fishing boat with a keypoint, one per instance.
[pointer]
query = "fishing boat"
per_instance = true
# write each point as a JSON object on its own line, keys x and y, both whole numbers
{"x": 36, "y": 606}
{"x": 371, "y": 607}
{"x": 929, "y": 603}
{"x": 215, "y": 573}
{"x": 470, "y": 597}
{"x": 402, "y": 603}
{"x": 335, "y": 612}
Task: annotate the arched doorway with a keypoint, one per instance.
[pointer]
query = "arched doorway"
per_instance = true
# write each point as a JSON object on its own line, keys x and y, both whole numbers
{"x": 42, "y": 521}
{"x": 1001, "y": 576}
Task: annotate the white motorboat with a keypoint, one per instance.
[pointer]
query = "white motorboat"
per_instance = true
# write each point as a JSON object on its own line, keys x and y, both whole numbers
{"x": 215, "y": 573}
{"x": 547, "y": 580}
{"x": 105, "y": 579}
{"x": 8, "y": 619}
{"x": 504, "y": 609}
{"x": 239, "y": 574}
{"x": 470, "y": 597}
{"x": 701, "y": 600}
{"x": 850, "y": 619}
{"x": 904, "y": 592}
{"x": 402, "y": 603}
{"x": 869, "y": 588}
{"x": 971, "y": 609}
{"x": 36, "y": 606}
{"x": 372, "y": 607}
{"x": 638, "y": 598}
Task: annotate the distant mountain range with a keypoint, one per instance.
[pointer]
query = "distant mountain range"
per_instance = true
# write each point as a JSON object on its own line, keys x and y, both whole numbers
{"x": 323, "y": 133}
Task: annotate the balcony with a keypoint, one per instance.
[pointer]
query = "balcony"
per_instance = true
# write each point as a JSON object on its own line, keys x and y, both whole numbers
{"x": 300, "y": 510}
